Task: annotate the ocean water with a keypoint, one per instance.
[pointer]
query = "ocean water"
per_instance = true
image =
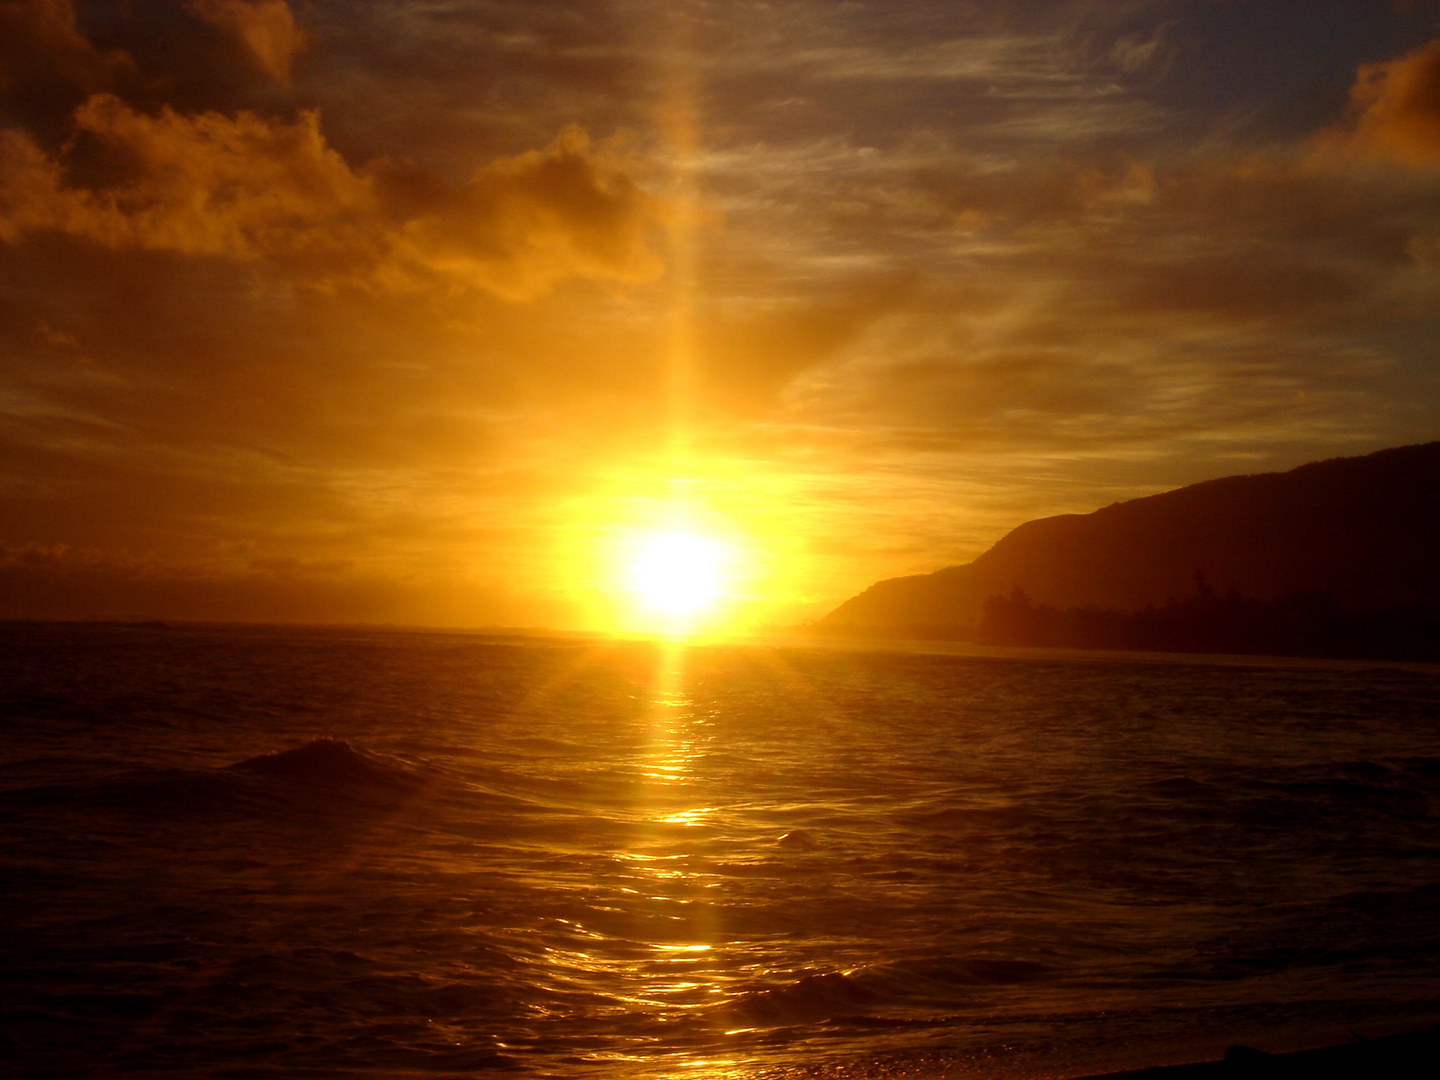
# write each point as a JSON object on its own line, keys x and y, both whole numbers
{"x": 294, "y": 852}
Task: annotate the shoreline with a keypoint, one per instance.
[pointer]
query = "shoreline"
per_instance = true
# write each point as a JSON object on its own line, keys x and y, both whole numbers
{"x": 1392, "y": 1057}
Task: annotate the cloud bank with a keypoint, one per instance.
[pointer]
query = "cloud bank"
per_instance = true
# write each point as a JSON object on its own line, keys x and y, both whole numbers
{"x": 252, "y": 188}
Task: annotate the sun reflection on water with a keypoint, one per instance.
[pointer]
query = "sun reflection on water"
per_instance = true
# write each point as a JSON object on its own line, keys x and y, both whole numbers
{"x": 657, "y": 935}
{"x": 684, "y": 976}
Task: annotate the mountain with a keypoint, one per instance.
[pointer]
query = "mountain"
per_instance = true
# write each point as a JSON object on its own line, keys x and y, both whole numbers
{"x": 1363, "y": 531}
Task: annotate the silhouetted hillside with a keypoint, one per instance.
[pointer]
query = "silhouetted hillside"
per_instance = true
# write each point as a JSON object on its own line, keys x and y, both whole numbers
{"x": 1302, "y": 624}
{"x": 1363, "y": 533}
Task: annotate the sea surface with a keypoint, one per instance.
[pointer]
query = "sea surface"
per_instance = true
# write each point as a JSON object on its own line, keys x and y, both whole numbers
{"x": 245, "y": 852}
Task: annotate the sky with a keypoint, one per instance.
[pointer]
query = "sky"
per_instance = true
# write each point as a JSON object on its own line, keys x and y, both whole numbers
{"x": 429, "y": 311}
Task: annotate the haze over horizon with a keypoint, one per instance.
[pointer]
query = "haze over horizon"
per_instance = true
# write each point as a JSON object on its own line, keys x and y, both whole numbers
{"x": 399, "y": 312}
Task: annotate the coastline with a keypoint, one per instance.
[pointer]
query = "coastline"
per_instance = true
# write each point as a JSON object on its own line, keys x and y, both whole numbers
{"x": 1393, "y": 1057}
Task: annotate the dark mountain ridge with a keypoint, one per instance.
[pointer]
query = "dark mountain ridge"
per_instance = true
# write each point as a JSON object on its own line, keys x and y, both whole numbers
{"x": 1364, "y": 532}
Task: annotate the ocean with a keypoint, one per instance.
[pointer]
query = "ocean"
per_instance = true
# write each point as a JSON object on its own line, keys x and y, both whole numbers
{"x": 245, "y": 852}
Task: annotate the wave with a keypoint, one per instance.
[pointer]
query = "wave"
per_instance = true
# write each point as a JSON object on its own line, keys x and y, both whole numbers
{"x": 323, "y": 776}
{"x": 887, "y": 995}
{"x": 332, "y": 763}
{"x": 811, "y": 999}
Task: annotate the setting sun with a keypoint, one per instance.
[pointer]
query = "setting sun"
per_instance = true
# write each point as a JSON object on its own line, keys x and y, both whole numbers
{"x": 676, "y": 574}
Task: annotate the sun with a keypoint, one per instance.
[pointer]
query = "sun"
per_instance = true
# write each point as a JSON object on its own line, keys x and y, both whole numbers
{"x": 676, "y": 574}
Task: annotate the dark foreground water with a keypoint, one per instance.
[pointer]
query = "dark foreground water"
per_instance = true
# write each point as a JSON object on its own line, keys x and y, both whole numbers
{"x": 246, "y": 852}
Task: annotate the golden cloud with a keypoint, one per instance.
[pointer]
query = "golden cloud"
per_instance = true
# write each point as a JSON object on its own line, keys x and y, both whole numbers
{"x": 521, "y": 223}
{"x": 266, "y": 29}
{"x": 202, "y": 185}
{"x": 253, "y": 188}
{"x": 1394, "y": 110}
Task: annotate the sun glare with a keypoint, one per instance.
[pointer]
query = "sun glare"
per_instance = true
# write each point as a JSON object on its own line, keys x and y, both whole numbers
{"x": 676, "y": 574}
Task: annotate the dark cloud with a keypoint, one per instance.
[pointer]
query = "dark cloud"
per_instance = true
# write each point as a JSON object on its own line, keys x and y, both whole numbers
{"x": 441, "y": 83}
{"x": 47, "y": 66}
{"x": 265, "y": 29}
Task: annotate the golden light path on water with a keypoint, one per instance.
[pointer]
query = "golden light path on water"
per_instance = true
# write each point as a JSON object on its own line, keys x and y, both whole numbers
{"x": 690, "y": 974}
{"x": 679, "y": 974}
{"x": 701, "y": 972}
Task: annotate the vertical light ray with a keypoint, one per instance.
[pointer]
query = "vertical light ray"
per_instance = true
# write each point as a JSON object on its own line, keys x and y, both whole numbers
{"x": 680, "y": 124}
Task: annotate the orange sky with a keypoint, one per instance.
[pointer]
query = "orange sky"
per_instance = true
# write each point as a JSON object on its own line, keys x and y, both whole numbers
{"x": 386, "y": 311}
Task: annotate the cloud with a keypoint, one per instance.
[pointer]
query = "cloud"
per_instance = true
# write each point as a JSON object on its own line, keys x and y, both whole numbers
{"x": 977, "y": 58}
{"x": 202, "y": 185}
{"x": 1089, "y": 299}
{"x": 1135, "y": 53}
{"x": 47, "y": 66}
{"x": 1394, "y": 110}
{"x": 41, "y": 35}
{"x": 523, "y": 222}
{"x": 60, "y": 581}
{"x": 266, "y": 29}
{"x": 257, "y": 189}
